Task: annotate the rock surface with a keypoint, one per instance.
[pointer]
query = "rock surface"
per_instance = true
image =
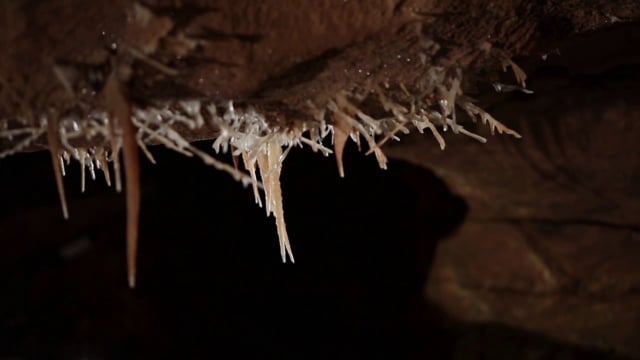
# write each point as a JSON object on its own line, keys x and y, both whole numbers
{"x": 277, "y": 54}
{"x": 552, "y": 239}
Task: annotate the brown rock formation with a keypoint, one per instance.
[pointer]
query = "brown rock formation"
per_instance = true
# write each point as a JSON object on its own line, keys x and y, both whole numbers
{"x": 551, "y": 242}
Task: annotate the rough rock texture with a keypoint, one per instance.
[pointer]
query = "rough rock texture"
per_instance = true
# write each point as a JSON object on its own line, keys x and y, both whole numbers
{"x": 552, "y": 239}
{"x": 278, "y": 54}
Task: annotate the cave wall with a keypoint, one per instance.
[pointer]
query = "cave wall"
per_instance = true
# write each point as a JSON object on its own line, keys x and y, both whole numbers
{"x": 552, "y": 238}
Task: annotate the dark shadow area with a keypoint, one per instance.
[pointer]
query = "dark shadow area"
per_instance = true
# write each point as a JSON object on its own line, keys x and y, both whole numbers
{"x": 211, "y": 283}
{"x": 496, "y": 341}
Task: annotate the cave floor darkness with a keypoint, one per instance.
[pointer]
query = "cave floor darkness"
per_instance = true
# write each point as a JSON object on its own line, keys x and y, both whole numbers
{"x": 210, "y": 280}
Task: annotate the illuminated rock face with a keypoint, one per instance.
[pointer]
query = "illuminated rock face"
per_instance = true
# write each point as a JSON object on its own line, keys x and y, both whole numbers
{"x": 552, "y": 230}
{"x": 92, "y": 108}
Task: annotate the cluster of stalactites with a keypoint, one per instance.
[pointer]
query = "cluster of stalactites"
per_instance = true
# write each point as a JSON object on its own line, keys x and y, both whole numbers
{"x": 247, "y": 134}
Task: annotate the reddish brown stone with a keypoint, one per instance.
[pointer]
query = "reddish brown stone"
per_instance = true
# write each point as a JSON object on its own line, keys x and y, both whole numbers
{"x": 552, "y": 240}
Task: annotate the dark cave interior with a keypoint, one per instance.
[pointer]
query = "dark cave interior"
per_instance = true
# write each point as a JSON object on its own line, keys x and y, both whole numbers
{"x": 211, "y": 281}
